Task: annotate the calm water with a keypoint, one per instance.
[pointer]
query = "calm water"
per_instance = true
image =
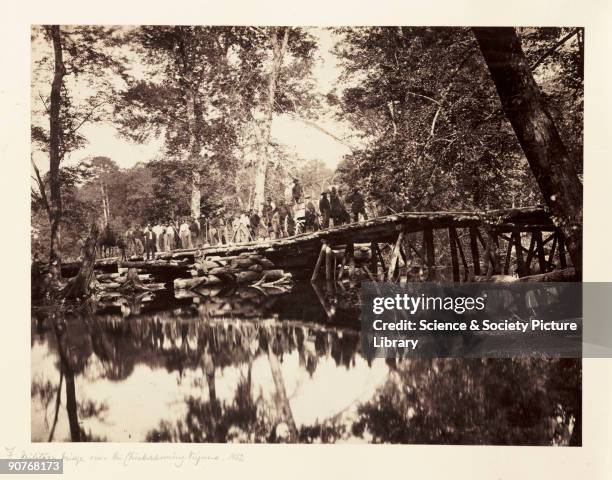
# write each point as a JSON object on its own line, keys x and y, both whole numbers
{"x": 240, "y": 365}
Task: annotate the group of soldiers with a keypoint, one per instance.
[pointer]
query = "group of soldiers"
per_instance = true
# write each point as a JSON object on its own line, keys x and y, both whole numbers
{"x": 283, "y": 219}
{"x": 276, "y": 220}
{"x": 162, "y": 237}
{"x": 332, "y": 207}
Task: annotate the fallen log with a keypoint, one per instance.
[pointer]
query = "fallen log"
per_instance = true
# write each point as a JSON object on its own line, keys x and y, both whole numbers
{"x": 565, "y": 275}
{"x": 267, "y": 264}
{"x": 242, "y": 263}
{"x": 153, "y": 263}
{"x": 134, "y": 284}
{"x": 275, "y": 274}
{"x": 107, "y": 276}
{"x": 248, "y": 276}
{"x": 190, "y": 283}
{"x": 223, "y": 271}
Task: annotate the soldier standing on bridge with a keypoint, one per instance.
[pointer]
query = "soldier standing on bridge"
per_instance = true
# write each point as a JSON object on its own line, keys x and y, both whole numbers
{"x": 296, "y": 192}
{"x": 325, "y": 210}
{"x": 158, "y": 230}
{"x": 169, "y": 237}
{"x": 129, "y": 241}
{"x": 149, "y": 243}
{"x": 357, "y": 205}
{"x": 338, "y": 212}
{"x": 185, "y": 234}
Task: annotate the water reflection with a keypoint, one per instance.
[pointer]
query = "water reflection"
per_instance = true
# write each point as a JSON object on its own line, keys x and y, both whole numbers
{"x": 249, "y": 365}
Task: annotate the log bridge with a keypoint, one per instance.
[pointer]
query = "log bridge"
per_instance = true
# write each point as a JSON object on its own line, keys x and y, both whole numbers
{"x": 410, "y": 246}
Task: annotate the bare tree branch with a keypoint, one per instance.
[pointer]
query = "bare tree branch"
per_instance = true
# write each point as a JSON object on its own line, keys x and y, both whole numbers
{"x": 41, "y": 186}
{"x": 552, "y": 49}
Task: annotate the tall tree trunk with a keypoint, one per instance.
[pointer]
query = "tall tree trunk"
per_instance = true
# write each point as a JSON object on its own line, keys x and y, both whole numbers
{"x": 196, "y": 194}
{"x": 105, "y": 209}
{"x": 195, "y": 148}
{"x": 279, "y": 46}
{"x": 55, "y": 131}
{"x": 536, "y": 132}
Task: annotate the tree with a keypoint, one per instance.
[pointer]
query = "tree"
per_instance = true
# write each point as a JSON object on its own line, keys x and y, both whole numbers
{"x": 536, "y": 132}
{"x": 279, "y": 38}
{"x": 81, "y": 55}
{"x": 184, "y": 96}
{"x": 54, "y": 206}
{"x": 209, "y": 93}
{"x": 102, "y": 170}
{"x": 423, "y": 111}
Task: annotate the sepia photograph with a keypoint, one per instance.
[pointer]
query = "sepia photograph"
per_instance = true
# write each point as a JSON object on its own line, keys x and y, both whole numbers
{"x": 208, "y": 202}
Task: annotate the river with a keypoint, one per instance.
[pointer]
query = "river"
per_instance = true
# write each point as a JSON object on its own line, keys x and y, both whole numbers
{"x": 241, "y": 365}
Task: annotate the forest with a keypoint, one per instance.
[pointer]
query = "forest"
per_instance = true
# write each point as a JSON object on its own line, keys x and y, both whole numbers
{"x": 435, "y": 119}
{"x": 435, "y": 128}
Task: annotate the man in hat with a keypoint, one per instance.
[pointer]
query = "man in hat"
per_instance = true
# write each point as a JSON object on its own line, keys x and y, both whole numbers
{"x": 149, "y": 243}
{"x": 357, "y": 205}
{"x": 337, "y": 209}
{"x": 324, "y": 210}
{"x": 297, "y": 192}
{"x": 185, "y": 234}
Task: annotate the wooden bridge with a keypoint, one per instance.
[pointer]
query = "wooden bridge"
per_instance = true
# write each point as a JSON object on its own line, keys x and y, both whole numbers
{"x": 456, "y": 246}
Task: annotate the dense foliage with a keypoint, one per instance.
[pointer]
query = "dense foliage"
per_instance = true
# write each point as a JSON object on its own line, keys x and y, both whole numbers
{"x": 429, "y": 122}
{"x": 427, "y": 128}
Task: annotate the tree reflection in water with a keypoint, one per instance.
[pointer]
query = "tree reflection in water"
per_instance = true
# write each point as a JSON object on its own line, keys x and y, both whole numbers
{"x": 255, "y": 367}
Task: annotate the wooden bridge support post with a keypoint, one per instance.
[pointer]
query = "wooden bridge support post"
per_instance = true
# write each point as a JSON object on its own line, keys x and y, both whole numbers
{"x": 506, "y": 269}
{"x": 530, "y": 253}
{"x": 474, "y": 249}
{"x": 562, "y": 259}
{"x": 317, "y": 267}
{"x": 540, "y": 251}
{"x": 395, "y": 257}
{"x": 350, "y": 257}
{"x": 550, "y": 265}
{"x": 491, "y": 254}
{"x": 340, "y": 272}
{"x": 373, "y": 260}
{"x": 453, "y": 240}
{"x": 466, "y": 267}
{"x": 428, "y": 240}
{"x": 329, "y": 269}
{"x": 518, "y": 246}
